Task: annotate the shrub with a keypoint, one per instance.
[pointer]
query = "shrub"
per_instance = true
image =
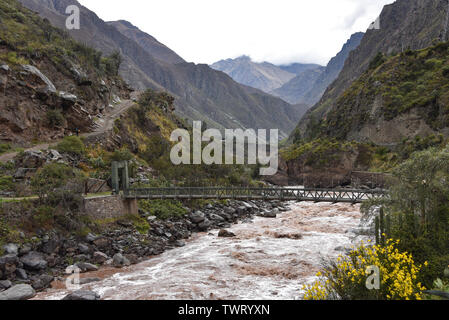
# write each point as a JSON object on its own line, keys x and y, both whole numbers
{"x": 346, "y": 278}
{"x": 6, "y": 183}
{"x": 55, "y": 118}
{"x": 163, "y": 209}
{"x": 58, "y": 184}
{"x": 446, "y": 71}
{"x": 72, "y": 145}
{"x": 4, "y": 147}
{"x": 122, "y": 155}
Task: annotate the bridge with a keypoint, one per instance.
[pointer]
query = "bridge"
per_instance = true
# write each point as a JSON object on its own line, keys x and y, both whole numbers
{"x": 241, "y": 193}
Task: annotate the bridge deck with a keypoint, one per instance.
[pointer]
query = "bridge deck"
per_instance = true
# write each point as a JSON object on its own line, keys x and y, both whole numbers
{"x": 315, "y": 195}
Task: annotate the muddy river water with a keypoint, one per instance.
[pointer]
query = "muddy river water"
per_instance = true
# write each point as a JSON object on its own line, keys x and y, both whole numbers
{"x": 268, "y": 259}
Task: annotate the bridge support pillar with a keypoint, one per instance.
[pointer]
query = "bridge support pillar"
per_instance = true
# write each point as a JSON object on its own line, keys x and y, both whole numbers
{"x": 131, "y": 206}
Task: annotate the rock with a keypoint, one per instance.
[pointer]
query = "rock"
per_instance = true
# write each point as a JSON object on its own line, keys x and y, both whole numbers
{"x": 21, "y": 274}
{"x": 50, "y": 86}
{"x": 11, "y": 248}
{"x": 83, "y": 295}
{"x": 179, "y": 243}
{"x": 229, "y": 210}
{"x": 197, "y": 217}
{"x": 5, "y": 67}
{"x": 216, "y": 217}
{"x": 8, "y": 264}
{"x": 91, "y": 237}
{"x": 102, "y": 243}
{"x": 5, "y": 284}
{"x": 31, "y": 159}
{"x": 89, "y": 280}
{"x": 270, "y": 214}
{"x": 83, "y": 248}
{"x": 120, "y": 261}
{"x": 54, "y": 155}
{"x": 18, "y": 292}
{"x": 25, "y": 249}
{"x": 151, "y": 218}
{"x": 241, "y": 210}
{"x": 86, "y": 267}
{"x": 225, "y": 234}
{"x": 203, "y": 226}
{"x": 41, "y": 282}
{"x": 100, "y": 257}
{"x": 67, "y": 97}
{"x": 50, "y": 246}
{"x": 34, "y": 261}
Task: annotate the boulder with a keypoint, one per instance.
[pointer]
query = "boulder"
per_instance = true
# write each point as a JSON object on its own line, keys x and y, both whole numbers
{"x": 100, "y": 257}
{"x": 21, "y": 274}
{"x": 86, "y": 267}
{"x": 83, "y": 248}
{"x": 225, "y": 234}
{"x": 89, "y": 280}
{"x": 41, "y": 282}
{"x": 216, "y": 218}
{"x": 50, "y": 86}
{"x": 120, "y": 261}
{"x": 83, "y": 295}
{"x": 68, "y": 97}
{"x": 11, "y": 248}
{"x": 203, "y": 226}
{"x": 18, "y": 292}
{"x": 197, "y": 217}
{"x": 5, "y": 284}
{"x": 34, "y": 261}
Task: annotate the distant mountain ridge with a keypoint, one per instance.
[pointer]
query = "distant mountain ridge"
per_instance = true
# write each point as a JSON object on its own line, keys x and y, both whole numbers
{"x": 201, "y": 93}
{"x": 404, "y": 24}
{"x": 264, "y": 76}
{"x": 309, "y": 86}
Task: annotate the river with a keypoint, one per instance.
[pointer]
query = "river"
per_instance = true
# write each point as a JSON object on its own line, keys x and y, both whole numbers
{"x": 268, "y": 259}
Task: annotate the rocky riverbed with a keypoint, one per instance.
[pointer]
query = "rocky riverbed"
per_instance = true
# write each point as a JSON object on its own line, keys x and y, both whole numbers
{"x": 261, "y": 257}
{"x": 33, "y": 267}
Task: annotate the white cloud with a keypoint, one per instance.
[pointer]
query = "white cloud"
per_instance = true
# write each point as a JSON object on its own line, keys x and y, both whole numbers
{"x": 278, "y": 31}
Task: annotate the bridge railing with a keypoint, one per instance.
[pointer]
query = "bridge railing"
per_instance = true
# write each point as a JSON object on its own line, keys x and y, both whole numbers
{"x": 307, "y": 194}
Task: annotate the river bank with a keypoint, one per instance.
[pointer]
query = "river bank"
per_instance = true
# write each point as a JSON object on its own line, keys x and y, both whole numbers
{"x": 266, "y": 259}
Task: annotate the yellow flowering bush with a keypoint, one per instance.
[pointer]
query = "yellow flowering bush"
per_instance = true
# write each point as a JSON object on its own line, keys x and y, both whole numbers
{"x": 346, "y": 278}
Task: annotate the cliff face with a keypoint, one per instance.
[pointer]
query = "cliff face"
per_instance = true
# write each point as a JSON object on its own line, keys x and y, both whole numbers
{"x": 412, "y": 24}
{"x": 396, "y": 98}
{"x": 197, "y": 96}
{"x": 50, "y": 85}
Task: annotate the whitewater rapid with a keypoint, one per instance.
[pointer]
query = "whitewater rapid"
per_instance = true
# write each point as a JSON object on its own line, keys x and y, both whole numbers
{"x": 268, "y": 259}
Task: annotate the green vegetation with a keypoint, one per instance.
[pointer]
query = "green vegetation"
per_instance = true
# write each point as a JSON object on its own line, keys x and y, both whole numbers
{"x": 317, "y": 153}
{"x": 58, "y": 184}
{"x": 7, "y": 183}
{"x": 4, "y": 147}
{"x": 163, "y": 209}
{"x": 72, "y": 145}
{"x": 413, "y": 80}
{"x": 29, "y": 36}
{"x": 55, "y": 118}
{"x": 418, "y": 212}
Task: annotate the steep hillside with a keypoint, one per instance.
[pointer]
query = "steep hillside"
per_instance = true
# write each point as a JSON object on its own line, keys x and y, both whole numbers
{"x": 50, "y": 84}
{"x": 397, "y": 98}
{"x": 146, "y": 41}
{"x": 412, "y": 24}
{"x": 196, "y": 96}
{"x": 298, "y": 68}
{"x": 264, "y": 76}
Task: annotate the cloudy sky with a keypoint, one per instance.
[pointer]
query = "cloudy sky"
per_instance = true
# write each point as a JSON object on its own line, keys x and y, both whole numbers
{"x": 278, "y": 31}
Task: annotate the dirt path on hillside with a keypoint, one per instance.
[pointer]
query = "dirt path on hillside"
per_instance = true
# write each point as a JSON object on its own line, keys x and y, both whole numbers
{"x": 104, "y": 125}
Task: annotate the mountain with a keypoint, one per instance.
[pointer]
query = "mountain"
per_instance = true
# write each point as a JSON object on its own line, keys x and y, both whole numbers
{"x": 298, "y": 68}
{"x": 51, "y": 85}
{"x": 332, "y": 70}
{"x": 405, "y": 24}
{"x": 146, "y": 41}
{"x": 201, "y": 93}
{"x": 397, "y": 98}
{"x": 295, "y": 90}
{"x": 264, "y": 76}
